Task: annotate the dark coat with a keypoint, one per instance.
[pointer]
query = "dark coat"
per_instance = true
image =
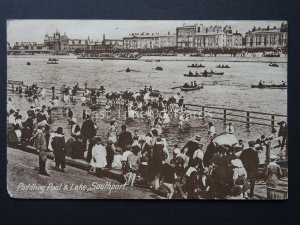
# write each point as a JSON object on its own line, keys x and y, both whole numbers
{"x": 158, "y": 157}
{"x": 77, "y": 150}
{"x": 191, "y": 146}
{"x": 125, "y": 138}
{"x": 283, "y": 131}
{"x": 88, "y": 129}
{"x": 249, "y": 158}
{"x": 58, "y": 145}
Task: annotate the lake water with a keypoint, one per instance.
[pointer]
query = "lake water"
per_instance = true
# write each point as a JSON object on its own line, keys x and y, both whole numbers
{"x": 232, "y": 90}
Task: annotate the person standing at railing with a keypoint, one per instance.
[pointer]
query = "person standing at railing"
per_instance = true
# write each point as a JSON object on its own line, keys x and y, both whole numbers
{"x": 229, "y": 128}
{"x": 211, "y": 129}
{"x": 283, "y": 132}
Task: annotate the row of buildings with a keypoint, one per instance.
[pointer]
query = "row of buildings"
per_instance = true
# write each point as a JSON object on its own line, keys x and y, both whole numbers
{"x": 195, "y": 36}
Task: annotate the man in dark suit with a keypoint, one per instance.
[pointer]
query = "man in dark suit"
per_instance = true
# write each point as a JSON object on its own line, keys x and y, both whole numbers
{"x": 250, "y": 160}
{"x": 191, "y": 146}
{"x": 88, "y": 132}
{"x": 125, "y": 138}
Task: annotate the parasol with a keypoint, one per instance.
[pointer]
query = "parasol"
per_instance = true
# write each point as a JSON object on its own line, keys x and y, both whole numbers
{"x": 225, "y": 139}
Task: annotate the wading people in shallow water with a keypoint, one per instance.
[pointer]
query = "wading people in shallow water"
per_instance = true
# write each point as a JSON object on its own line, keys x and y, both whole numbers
{"x": 59, "y": 151}
{"x": 40, "y": 145}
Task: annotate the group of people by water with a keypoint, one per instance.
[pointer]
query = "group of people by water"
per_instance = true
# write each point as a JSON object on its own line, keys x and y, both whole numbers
{"x": 146, "y": 159}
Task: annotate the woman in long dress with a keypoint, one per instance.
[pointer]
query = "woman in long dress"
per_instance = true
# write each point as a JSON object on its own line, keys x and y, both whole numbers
{"x": 98, "y": 160}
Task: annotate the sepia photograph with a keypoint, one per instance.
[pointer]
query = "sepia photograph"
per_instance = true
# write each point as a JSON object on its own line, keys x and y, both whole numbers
{"x": 147, "y": 109}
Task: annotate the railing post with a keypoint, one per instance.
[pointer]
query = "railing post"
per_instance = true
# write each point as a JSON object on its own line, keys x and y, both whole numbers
{"x": 203, "y": 115}
{"x": 248, "y": 119}
{"x": 224, "y": 116}
{"x": 272, "y": 121}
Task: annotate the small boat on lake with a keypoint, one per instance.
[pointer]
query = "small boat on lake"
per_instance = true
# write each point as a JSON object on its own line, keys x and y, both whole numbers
{"x": 273, "y": 64}
{"x": 223, "y": 66}
{"x": 197, "y": 75}
{"x": 52, "y": 61}
{"x": 196, "y": 66}
{"x": 212, "y": 73}
{"x": 272, "y": 86}
{"x": 187, "y": 87}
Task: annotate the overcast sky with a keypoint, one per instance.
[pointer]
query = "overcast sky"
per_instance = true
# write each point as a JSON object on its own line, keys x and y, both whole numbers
{"x": 34, "y": 30}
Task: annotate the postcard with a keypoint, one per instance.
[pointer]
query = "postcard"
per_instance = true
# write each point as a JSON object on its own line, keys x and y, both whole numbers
{"x": 147, "y": 109}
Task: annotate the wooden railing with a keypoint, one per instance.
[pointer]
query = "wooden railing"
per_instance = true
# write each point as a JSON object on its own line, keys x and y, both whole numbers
{"x": 236, "y": 115}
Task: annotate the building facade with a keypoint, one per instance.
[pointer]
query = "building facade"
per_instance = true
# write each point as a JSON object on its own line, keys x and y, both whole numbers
{"x": 57, "y": 42}
{"x": 185, "y": 36}
{"x": 200, "y": 36}
{"x": 79, "y": 44}
{"x": 28, "y": 46}
{"x": 267, "y": 37}
{"x": 167, "y": 40}
{"x": 149, "y": 41}
{"x": 113, "y": 43}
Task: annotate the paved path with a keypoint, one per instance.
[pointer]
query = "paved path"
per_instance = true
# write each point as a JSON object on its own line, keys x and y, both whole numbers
{"x": 22, "y": 170}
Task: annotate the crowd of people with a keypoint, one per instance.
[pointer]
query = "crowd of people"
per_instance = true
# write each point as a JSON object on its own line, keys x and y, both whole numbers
{"x": 146, "y": 159}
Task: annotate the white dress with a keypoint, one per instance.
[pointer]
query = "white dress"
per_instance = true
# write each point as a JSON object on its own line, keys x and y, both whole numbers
{"x": 98, "y": 156}
{"x": 117, "y": 163}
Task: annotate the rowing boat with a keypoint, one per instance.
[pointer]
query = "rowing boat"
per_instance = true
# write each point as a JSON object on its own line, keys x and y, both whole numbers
{"x": 198, "y": 87}
{"x": 270, "y": 86}
{"x": 197, "y": 75}
{"x": 223, "y": 67}
{"x": 213, "y": 73}
{"x": 196, "y": 66}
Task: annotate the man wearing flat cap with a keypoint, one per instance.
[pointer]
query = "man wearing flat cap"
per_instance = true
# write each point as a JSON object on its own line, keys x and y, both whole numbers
{"x": 250, "y": 160}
